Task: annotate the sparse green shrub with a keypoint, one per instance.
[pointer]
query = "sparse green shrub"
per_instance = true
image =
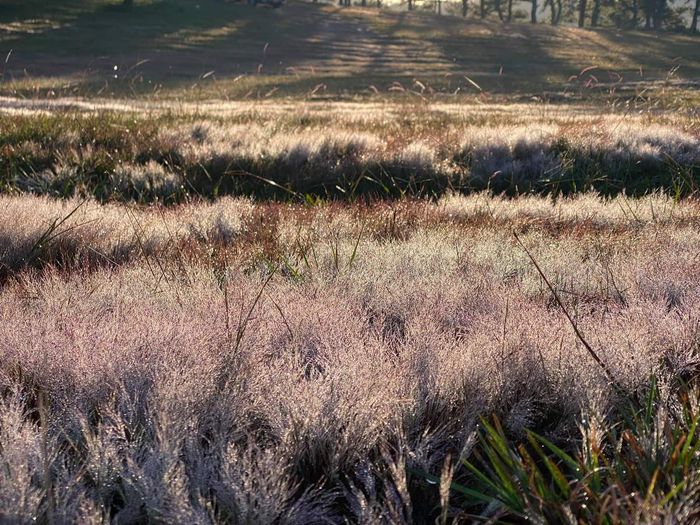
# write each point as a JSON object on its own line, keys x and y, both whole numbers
{"x": 640, "y": 464}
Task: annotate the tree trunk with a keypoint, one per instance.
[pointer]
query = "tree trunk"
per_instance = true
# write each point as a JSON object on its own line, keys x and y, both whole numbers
{"x": 696, "y": 15}
{"x": 560, "y": 6}
{"x": 552, "y": 10}
{"x": 659, "y": 14}
{"x": 482, "y": 8}
{"x": 635, "y": 14}
{"x": 533, "y": 13}
{"x": 499, "y": 10}
{"x": 410, "y": 5}
{"x": 465, "y": 8}
{"x": 510, "y": 10}
{"x": 596, "y": 13}
{"x": 550, "y": 4}
{"x": 582, "y": 13}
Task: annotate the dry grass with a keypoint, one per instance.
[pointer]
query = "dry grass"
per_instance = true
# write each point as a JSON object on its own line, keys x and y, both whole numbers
{"x": 217, "y": 311}
{"x": 241, "y": 362}
{"x": 109, "y": 151}
{"x": 215, "y": 49}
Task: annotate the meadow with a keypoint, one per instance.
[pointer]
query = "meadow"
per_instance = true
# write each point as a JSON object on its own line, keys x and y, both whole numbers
{"x": 257, "y": 362}
{"x": 317, "y": 150}
{"x": 216, "y": 49}
{"x": 400, "y": 282}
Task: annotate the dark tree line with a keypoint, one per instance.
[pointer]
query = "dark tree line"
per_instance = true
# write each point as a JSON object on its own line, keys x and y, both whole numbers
{"x": 650, "y": 14}
{"x": 647, "y": 14}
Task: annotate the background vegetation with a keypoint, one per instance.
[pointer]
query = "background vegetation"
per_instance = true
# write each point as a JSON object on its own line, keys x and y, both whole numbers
{"x": 217, "y": 49}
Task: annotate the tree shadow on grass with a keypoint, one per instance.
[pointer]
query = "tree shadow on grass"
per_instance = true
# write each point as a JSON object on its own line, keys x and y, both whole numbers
{"x": 171, "y": 41}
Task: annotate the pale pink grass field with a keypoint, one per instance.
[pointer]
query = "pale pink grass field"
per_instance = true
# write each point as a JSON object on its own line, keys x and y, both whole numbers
{"x": 255, "y": 363}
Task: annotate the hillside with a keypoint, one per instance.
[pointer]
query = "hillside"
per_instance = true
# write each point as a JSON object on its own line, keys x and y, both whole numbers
{"x": 223, "y": 49}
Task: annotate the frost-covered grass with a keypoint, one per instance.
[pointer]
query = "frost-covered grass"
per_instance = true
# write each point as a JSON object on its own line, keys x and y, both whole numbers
{"x": 142, "y": 152}
{"x": 243, "y": 313}
{"x": 247, "y": 362}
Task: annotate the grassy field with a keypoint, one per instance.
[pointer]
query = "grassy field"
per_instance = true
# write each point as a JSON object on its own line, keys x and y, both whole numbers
{"x": 255, "y": 363}
{"x": 306, "y": 151}
{"x": 222, "y": 49}
{"x": 317, "y": 265}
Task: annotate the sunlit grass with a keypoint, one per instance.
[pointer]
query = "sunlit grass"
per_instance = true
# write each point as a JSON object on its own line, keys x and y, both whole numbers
{"x": 150, "y": 152}
{"x": 318, "y": 265}
{"x": 238, "y": 361}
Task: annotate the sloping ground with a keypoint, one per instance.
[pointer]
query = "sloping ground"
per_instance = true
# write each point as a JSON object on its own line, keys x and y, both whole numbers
{"x": 230, "y": 49}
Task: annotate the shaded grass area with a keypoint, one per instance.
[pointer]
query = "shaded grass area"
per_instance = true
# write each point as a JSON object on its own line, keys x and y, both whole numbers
{"x": 224, "y": 49}
{"x": 117, "y": 156}
{"x": 63, "y": 27}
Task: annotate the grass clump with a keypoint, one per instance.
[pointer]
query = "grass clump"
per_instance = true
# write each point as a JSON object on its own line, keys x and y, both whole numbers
{"x": 64, "y": 155}
{"x": 637, "y": 465}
